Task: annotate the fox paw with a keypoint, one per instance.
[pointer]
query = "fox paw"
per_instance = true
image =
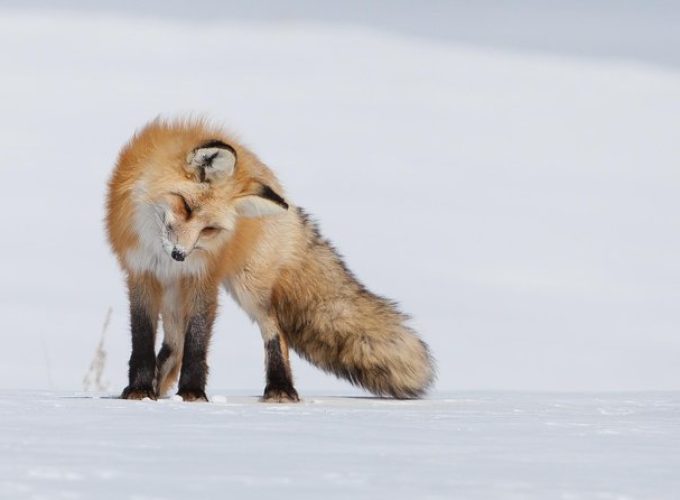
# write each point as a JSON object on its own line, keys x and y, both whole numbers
{"x": 280, "y": 395}
{"x": 192, "y": 395}
{"x": 138, "y": 393}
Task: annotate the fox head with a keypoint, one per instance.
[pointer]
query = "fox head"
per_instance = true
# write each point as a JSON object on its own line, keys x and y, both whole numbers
{"x": 191, "y": 200}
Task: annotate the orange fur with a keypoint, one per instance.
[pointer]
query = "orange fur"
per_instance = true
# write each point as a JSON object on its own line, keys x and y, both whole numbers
{"x": 235, "y": 228}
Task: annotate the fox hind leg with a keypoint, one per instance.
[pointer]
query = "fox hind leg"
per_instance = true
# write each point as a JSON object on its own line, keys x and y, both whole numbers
{"x": 279, "y": 388}
{"x": 169, "y": 358}
{"x": 168, "y": 363}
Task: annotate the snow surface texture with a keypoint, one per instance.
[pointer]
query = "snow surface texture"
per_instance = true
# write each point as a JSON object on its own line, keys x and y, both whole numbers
{"x": 472, "y": 445}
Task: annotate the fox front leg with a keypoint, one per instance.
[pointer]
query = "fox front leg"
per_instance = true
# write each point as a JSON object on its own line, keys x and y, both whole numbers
{"x": 279, "y": 388}
{"x": 144, "y": 308}
{"x": 194, "y": 373}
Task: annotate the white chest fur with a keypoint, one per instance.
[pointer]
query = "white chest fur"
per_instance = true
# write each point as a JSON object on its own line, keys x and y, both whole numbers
{"x": 155, "y": 261}
{"x": 150, "y": 256}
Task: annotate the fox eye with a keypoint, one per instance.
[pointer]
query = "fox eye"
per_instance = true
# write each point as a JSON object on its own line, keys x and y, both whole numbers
{"x": 210, "y": 231}
{"x": 187, "y": 208}
{"x": 185, "y": 205}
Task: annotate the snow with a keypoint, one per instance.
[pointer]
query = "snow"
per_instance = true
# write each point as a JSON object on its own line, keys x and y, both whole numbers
{"x": 464, "y": 445}
{"x": 512, "y": 182}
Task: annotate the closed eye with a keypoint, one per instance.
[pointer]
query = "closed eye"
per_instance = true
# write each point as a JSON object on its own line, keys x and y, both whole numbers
{"x": 210, "y": 231}
{"x": 185, "y": 205}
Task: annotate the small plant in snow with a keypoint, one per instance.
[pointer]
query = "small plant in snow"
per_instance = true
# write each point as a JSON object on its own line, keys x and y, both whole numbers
{"x": 93, "y": 377}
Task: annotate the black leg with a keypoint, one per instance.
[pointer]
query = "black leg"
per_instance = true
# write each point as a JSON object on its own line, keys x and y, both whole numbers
{"x": 143, "y": 358}
{"x": 194, "y": 374}
{"x": 279, "y": 379}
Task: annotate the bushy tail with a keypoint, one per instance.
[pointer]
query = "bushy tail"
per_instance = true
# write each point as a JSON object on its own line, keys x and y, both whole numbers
{"x": 368, "y": 344}
{"x": 334, "y": 322}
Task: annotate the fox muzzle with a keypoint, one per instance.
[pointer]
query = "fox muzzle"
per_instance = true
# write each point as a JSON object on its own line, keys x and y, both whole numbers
{"x": 178, "y": 254}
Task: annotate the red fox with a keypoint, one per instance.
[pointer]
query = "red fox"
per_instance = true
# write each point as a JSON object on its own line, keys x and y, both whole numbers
{"x": 190, "y": 209}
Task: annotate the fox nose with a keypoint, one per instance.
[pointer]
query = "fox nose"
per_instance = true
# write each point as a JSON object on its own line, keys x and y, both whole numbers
{"x": 178, "y": 255}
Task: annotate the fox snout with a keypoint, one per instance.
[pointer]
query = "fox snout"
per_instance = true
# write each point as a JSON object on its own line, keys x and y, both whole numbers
{"x": 178, "y": 241}
{"x": 175, "y": 247}
{"x": 178, "y": 254}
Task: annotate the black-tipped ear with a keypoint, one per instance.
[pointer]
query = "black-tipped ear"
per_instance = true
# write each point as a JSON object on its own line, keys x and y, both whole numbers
{"x": 264, "y": 202}
{"x": 269, "y": 194}
{"x": 211, "y": 161}
{"x": 217, "y": 144}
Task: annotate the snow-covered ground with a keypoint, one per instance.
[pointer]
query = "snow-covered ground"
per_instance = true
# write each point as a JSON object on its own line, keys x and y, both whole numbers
{"x": 465, "y": 445}
{"x": 518, "y": 198}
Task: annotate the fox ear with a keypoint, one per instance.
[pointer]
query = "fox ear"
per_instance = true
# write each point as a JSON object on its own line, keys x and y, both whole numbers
{"x": 265, "y": 202}
{"x": 211, "y": 161}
